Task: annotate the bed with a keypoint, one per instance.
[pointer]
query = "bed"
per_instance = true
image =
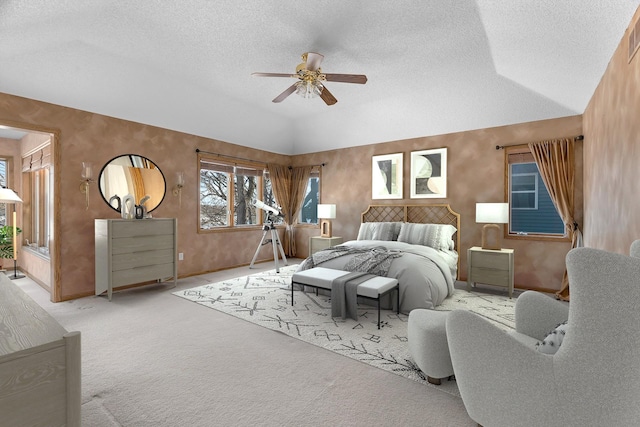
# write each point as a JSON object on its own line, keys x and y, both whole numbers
{"x": 416, "y": 244}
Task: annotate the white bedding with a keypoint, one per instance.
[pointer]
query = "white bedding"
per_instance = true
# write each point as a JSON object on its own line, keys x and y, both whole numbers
{"x": 425, "y": 275}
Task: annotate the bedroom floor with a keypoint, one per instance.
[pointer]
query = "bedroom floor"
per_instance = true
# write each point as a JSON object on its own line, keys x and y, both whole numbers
{"x": 151, "y": 358}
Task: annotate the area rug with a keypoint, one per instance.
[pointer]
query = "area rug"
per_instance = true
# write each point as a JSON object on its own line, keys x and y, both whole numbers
{"x": 265, "y": 299}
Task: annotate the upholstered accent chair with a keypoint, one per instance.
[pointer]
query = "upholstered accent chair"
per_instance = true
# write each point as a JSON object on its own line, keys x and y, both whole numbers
{"x": 594, "y": 377}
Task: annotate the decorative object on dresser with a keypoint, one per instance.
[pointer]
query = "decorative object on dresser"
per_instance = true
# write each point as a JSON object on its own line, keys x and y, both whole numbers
{"x": 39, "y": 364}
{"x": 128, "y": 206}
{"x": 9, "y": 196}
{"x": 318, "y": 243}
{"x": 492, "y": 267}
{"x": 326, "y": 213}
{"x": 492, "y": 214}
{"x": 135, "y": 251}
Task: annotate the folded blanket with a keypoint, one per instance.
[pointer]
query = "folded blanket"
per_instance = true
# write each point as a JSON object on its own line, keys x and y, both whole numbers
{"x": 344, "y": 294}
{"x": 376, "y": 260}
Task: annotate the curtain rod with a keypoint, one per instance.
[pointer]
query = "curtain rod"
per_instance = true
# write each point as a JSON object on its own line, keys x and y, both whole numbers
{"x": 500, "y": 147}
{"x": 241, "y": 158}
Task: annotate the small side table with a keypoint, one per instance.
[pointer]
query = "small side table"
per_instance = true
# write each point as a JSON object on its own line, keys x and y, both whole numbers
{"x": 317, "y": 243}
{"x": 490, "y": 267}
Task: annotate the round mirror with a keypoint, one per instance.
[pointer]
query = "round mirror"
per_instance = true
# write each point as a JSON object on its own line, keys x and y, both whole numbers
{"x": 133, "y": 175}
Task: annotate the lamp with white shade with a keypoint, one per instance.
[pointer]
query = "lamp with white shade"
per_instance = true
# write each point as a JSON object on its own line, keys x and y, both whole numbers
{"x": 492, "y": 214}
{"x": 326, "y": 213}
{"x": 9, "y": 196}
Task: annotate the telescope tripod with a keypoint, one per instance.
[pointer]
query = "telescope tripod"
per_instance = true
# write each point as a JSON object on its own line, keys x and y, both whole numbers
{"x": 275, "y": 242}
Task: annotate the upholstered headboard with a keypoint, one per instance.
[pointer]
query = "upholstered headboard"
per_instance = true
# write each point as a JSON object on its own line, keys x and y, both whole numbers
{"x": 421, "y": 214}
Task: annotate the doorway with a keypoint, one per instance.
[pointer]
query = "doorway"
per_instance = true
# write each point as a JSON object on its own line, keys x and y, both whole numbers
{"x": 29, "y": 152}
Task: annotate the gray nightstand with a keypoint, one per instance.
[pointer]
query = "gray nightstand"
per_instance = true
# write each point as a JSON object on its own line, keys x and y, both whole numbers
{"x": 317, "y": 243}
{"x": 490, "y": 267}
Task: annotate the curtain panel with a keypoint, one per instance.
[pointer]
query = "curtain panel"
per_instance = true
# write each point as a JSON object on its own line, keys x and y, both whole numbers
{"x": 289, "y": 185}
{"x": 556, "y": 161}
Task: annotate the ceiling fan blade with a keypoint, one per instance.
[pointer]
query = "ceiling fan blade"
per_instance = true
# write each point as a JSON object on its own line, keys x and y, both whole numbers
{"x": 327, "y": 96}
{"x": 284, "y": 94}
{"x": 314, "y": 60}
{"x": 272, "y": 75}
{"x": 346, "y": 78}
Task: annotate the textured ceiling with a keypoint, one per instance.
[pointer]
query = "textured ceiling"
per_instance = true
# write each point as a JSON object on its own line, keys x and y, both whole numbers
{"x": 434, "y": 67}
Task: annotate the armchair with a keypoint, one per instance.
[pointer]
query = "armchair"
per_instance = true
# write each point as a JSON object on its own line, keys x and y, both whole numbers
{"x": 594, "y": 377}
{"x": 634, "y": 251}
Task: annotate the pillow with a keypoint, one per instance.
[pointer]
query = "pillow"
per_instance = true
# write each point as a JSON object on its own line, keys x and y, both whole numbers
{"x": 551, "y": 343}
{"x": 436, "y": 236}
{"x": 387, "y": 231}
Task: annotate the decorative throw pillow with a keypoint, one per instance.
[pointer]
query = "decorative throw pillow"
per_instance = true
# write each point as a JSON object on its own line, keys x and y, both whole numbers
{"x": 387, "y": 231}
{"x": 436, "y": 236}
{"x": 551, "y": 343}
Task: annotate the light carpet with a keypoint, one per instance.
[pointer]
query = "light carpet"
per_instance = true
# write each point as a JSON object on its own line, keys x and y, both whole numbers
{"x": 265, "y": 299}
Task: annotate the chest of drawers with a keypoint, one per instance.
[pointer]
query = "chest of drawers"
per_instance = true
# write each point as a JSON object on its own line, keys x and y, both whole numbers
{"x": 318, "y": 243}
{"x": 490, "y": 267}
{"x": 134, "y": 251}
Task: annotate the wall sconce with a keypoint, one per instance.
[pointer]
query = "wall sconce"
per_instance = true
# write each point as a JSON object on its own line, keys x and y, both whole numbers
{"x": 177, "y": 190}
{"x": 326, "y": 212}
{"x": 494, "y": 213}
{"x": 87, "y": 178}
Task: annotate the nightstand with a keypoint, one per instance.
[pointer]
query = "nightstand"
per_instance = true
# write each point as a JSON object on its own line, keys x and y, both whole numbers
{"x": 490, "y": 267}
{"x": 317, "y": 243}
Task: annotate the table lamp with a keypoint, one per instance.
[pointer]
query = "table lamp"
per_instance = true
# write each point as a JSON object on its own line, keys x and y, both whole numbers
{"x": 326, "y": 213}
{"x": 492, "y": 214}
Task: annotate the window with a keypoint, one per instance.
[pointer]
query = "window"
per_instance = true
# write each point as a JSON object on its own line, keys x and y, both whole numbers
{"x": 532, "y": 212}
{"x": 37, "y": 200}
{"x": 37, "y": 235}
{"x": 228, "y": 191}
{"x": 309, "y": 209}
{"x": 524, "y": 186}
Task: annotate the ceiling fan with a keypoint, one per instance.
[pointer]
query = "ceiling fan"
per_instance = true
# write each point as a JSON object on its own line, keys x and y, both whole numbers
{"x": 311, "y": 79}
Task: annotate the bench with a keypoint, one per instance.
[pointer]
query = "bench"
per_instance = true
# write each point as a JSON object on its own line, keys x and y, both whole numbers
{"x": 322, "y": 278}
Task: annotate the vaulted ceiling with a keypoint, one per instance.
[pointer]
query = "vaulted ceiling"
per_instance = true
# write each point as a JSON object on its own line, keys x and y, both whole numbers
{"x": 433, "y": 67}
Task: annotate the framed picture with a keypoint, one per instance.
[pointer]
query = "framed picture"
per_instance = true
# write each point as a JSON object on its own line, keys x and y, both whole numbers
{"x": 386, "y": 176}
{"x": 429, "y": 173}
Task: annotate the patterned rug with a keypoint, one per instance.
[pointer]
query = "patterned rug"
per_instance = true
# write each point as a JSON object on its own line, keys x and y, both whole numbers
{"x": 265, "y": 299}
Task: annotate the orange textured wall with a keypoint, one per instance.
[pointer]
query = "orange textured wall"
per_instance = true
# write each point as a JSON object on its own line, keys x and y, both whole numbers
{"x": 88, "y": 137}
{"x": 612, "y": 155}
{"x": 475, "y": 174}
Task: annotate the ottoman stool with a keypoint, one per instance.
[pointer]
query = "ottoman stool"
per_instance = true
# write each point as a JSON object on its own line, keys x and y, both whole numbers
{"x": 428, "y": 343}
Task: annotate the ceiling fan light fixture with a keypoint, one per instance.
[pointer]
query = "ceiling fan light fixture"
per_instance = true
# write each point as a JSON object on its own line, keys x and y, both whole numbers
{"x": 309, "y": 88}
{"x": 311, "y": 80}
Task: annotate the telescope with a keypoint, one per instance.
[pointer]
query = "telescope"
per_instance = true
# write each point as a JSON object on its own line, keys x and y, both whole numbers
{"x": 260, "y": 205}
{"x": 269, "y": 228}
